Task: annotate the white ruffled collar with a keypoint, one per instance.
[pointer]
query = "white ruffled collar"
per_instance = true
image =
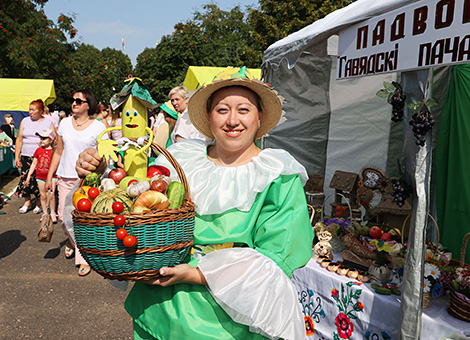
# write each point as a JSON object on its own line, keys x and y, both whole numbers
{"x": 242, "y": 183}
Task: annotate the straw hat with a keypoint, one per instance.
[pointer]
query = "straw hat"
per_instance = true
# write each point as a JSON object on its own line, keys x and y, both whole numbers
{"x": 168, "y": 108}
{"x": 270, "y": 102}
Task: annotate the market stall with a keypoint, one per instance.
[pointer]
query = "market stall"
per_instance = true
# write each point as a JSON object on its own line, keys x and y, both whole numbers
{"x": 16, "y": 94}
{"x": 329, "y": 73}
{"x": 7, "y": 158}
{"x": 200, "y": 75}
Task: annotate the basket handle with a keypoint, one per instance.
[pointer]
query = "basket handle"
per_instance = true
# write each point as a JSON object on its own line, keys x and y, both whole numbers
{"x": 176, "y": 166}
{"x": 347, "y": 202}
{"x": 406, "y": 220}
{"x": 462, "y": 251}
{"x": 312, "y": 215}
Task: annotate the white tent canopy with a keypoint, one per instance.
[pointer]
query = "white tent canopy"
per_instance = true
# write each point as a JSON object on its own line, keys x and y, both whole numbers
{"x": 292, "y": 46}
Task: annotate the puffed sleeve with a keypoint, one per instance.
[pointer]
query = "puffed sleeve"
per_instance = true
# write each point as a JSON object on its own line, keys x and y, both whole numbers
{"x": 248, "y": 282}
{"x": 283, "y": 231}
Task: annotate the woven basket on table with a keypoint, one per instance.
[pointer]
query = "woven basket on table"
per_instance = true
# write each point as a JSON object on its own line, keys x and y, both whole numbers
{"x": 458, "y": 307}
{"x": 164, "y": 237}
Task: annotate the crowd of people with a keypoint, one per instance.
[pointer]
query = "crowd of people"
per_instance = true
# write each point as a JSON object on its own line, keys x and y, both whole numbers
{"x": 259, "y": 215}
{"x": 46, "y": 149}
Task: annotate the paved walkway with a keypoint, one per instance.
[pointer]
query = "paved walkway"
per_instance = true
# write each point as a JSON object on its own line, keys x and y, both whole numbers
{"x": 41, "y": 294}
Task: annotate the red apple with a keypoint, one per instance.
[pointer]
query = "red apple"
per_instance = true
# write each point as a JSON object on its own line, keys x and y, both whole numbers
{"x": 157, "y": 170}
{"x": 386, "y": 237}
{"x": 375, "y": 232}
{"x": 117, "y": 174}
{"x": 159, "y": 185}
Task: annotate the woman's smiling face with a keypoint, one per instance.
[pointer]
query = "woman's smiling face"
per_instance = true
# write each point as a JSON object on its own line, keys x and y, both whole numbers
{"x": 178, "y": 102}
{"x": 234, "y": 117}
{"x": 80, "y": 108}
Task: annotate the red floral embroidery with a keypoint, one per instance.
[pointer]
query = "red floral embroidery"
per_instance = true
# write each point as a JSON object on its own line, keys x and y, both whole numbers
{"x": 309, "y": 325}
{"x": 334, "y": 293}
{"x": 344, "y": 326}
{"x": 359, "y": 305}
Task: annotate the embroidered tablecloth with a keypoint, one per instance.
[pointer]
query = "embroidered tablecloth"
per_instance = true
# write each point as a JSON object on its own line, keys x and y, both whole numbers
{"x": 337, "y": 307}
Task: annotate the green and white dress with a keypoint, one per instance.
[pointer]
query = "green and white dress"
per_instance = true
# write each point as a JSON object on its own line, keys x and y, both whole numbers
{"x": 260, "y": 207}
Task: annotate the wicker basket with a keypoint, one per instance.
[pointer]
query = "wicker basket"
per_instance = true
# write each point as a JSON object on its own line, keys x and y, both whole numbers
{"x": 404, "y": 226}
{"x": 164, "y": 237}
{"x": 458, "y": 307}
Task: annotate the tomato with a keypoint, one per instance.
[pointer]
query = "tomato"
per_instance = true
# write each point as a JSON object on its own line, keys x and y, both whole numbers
{"x": 121, "y": 233}
{"x": 157, "y": 170}
{"x": 132, "y": 181}
{"x": 130, "y": 241}
{"x": 375, "y": 232}
{"x": 118, "y": 207}
{"x": 78, "y": 194}
{"x": 338, "y": 207}
{"x": 119, "y": 220}
{"x": 386, "y": 237}
{"x": 84, "y": 205}
{"x": 343, "y": 208}
{"x": 338, "y": 214}
{"x": 93, "y": 193}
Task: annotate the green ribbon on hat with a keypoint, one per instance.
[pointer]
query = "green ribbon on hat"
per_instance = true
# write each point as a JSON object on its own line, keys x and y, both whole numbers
{"x": 138, "y": 90}
{"x": 167, "y": 109}
{"x": 234, "y": 73}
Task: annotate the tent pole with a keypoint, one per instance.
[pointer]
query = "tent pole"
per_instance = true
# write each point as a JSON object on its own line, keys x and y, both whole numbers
{"x": 417, "y": 162}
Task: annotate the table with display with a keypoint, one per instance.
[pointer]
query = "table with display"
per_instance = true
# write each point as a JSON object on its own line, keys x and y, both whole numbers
{"x": 337, "y": 307}
{"x": 7, "y": 160}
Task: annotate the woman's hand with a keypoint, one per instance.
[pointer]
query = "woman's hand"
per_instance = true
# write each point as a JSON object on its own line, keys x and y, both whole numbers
{"x": 17, "y": 163}
{"x": 179, "y": 274}
{"x": 89, "y": 161}
{"x": 48, "y": 185}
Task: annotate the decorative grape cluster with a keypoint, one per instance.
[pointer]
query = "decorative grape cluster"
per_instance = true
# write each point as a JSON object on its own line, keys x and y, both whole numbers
{"x": 401, "y": 191}
{"x": 393, "y": 92}
{"x": 398, "y": 105}
{"x": 422, "y": 123}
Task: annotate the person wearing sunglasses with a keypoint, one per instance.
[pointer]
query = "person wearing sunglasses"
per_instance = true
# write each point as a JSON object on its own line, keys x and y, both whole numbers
{"x": 75, "y": 134}
{"x": 25, "y": 146}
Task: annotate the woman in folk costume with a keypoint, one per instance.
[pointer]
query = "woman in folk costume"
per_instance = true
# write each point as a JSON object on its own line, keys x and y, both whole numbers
{"x": 252, "y": 226}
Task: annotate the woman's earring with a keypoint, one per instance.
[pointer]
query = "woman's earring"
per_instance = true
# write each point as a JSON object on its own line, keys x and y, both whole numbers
{"x": 259, "y": 124}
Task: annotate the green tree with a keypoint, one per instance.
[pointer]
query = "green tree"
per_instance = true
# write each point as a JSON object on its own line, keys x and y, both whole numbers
{"x": 212, "y": 37}
{"x": 33, "y": 46}
{"x": 276, "y": 19}
{"x": 103, "y": 72}
{"x": 165, "y": 66}
{"x": 227, "y": 33}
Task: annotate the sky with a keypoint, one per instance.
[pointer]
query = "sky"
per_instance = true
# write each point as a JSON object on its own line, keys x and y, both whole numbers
{"x": 142, "y": 23}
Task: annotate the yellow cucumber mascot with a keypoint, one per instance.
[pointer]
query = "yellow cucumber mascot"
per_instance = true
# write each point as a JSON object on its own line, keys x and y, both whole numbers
{"x": 135, "y": 99}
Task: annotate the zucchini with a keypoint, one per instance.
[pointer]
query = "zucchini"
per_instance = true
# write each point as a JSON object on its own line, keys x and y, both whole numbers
{"x": 395, "y": 291}
{"x": 383, "y": 290}
{"x": 175, "y": 193}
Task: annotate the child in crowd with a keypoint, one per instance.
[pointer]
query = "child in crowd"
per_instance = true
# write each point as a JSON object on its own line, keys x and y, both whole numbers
{"x": 41, "y": 163}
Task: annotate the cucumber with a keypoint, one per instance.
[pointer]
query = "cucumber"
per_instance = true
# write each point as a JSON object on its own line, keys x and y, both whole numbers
{"x": 395, "y": 291}
{"x": 175, "y": 193}
{"x": 375, "y": 285}
{"x": 383, "y": 290}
